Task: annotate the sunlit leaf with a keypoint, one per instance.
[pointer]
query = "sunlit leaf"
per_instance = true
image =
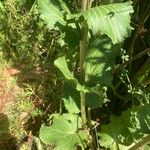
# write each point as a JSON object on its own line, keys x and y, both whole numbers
{"x": 52, "y": 12}
{"x": 2, "y": 8}
{"x": 61, "y": 63}
{"x": 112, "y": 20}
{"x": 71, "y": 106}
{"x": 64, "y": 133}
{"x": 106, "y": 140}
{"x": 82, "y": 88}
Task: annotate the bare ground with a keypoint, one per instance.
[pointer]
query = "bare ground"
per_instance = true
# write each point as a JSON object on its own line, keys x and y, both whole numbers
{"x": 8, "y": 89}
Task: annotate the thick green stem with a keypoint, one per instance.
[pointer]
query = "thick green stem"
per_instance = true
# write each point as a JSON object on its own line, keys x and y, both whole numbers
{"x": 83, "y": 41}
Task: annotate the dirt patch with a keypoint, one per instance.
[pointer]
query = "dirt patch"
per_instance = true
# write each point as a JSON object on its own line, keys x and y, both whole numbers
{"x": 8, "y": 87}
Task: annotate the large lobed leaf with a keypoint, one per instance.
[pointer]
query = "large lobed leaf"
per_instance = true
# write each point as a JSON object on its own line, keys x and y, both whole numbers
{"x": 98, "y": 71}
{"x": 140, "y": 119}
{"x": 51, "y": 12}
{"x": 118, "y": 129}
{"x": 100, "y": 61}
{"x": 64, "y": 133}
{"x": 124, "y": 130}
{"x": 112, "y": 20}
{"x": 94, "y": 98}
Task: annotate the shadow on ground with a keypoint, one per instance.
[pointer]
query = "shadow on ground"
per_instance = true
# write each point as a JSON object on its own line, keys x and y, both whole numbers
{"x": 7, "y": 141}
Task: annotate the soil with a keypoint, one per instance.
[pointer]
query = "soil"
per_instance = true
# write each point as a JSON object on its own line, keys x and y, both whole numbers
{"x": 8, "y": 89}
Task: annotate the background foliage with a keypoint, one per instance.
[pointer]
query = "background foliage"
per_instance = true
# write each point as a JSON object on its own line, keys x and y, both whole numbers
{"x": 31, "y": 47}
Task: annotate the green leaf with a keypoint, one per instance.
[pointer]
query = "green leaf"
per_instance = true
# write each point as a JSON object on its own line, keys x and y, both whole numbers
{"x": 93, "y": 100}
{"x": 112, "y": 19}
{"x": 95, "y": 97}
{"x": 52, "y": 12}
{"x": 110, "y": 1}
{"x": 82, "y": 88}
{"x": 100, "y": 61}
{"x": 69, "y": 36}
{"x": 106, "y": 140}
{"x": 69, "y": 91}
{"x": 118, "y": 129}
{"x": 143, "y": 116}
{"x": 71, "y": 105}
{"x": 140, "y": 119}
{"x": 128, "y": 128}
{"x": 131, "y": 126}
{"x": 63, "y": 5}
{"x": 146, "y": 147}
{"x": 61, "y": 63}
{"x": 64, "y": 133}
{"x": 2, "y": 8}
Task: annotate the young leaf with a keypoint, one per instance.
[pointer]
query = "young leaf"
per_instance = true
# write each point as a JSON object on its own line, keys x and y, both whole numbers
{"x": 52, "y": 12}
{"x": 61, "y": 63}
{"x": 64, "y": 133}
{"x": 100, "y": 61}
